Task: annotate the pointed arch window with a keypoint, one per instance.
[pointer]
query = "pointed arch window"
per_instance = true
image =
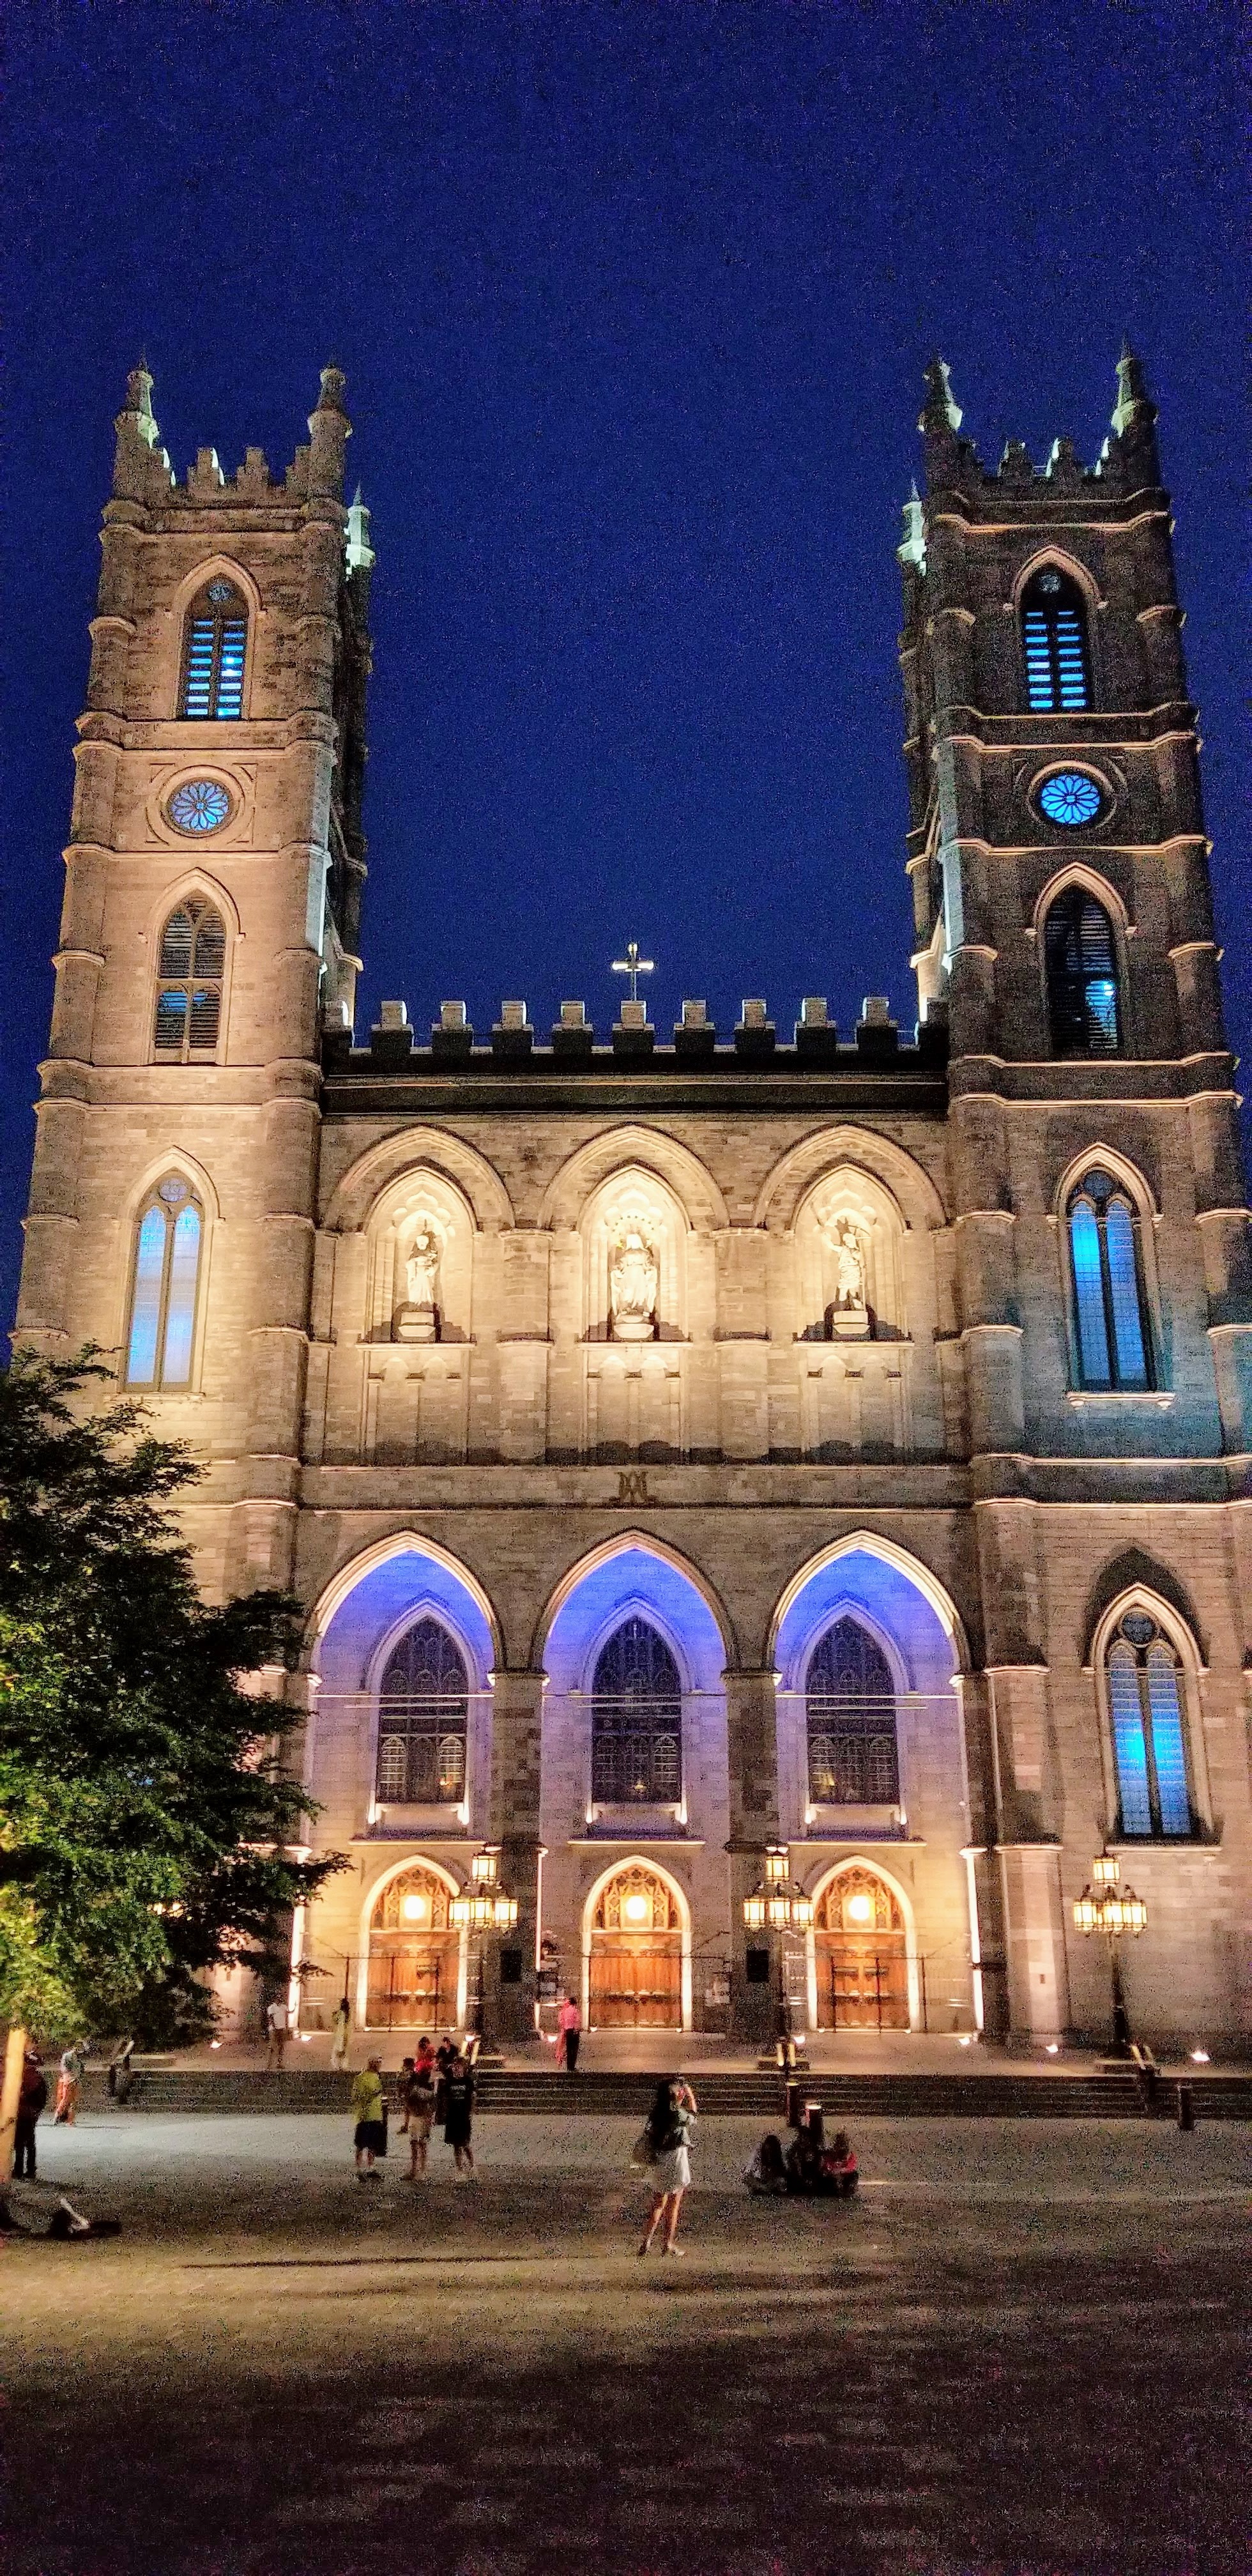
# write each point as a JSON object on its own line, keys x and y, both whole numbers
{"x": 1149, "y": 1731}
{"x": 165, "y": 1285}
{"x": 423, "y": 1719}
{"x": 1054, "y": 641}
{"x": 1112, "y": 1332}
{"x": 850, "y": 1707}
{"x": 1080, "y": 967}
{"x": 190, "y": 969}
{"x": 215, "y": 646}
{"x": 636, "y": 1720}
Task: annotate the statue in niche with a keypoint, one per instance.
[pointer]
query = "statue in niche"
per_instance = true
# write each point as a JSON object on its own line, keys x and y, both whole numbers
{"x": 418, "y": 1317}
{"x": 633, "y": 1277}
{"x": 848, "y": 1311}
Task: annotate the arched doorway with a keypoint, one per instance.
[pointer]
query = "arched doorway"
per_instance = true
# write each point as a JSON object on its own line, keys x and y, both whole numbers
{"x": 413, "y": 1954}
{"x": 636, "y": 1953}
{"x": 861, "y": 1945}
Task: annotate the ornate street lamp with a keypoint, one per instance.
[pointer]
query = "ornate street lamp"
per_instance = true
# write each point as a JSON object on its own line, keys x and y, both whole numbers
{"x": 1106, "y": 1907}
{"x": 777, "y": 1904}
{"x": 484, "y": 1907}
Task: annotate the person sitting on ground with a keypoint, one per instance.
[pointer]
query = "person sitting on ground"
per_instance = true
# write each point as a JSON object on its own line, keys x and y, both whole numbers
{"x": 839, "y": 2173}
{"x": 804, "y": 2155}
{"x": 766, "y": 2170}
{"x": 369, "y": 2112}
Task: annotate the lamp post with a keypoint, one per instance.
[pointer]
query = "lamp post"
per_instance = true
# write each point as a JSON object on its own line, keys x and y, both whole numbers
{"x": 778, "y": 1905}
{"x": 484, "y": 1907}
{"x": 1105, "y": 1907}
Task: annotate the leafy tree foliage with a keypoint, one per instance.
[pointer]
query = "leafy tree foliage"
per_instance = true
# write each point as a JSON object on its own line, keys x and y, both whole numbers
{"x": 146, "y": 1826}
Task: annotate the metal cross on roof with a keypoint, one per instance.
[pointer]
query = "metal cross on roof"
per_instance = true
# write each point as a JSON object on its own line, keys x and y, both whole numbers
{"x": 634, "y": 965}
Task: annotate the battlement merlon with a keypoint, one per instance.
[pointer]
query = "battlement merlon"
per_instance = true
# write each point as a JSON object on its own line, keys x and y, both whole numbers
{"x": 144, "y": 478}
{"x": 1126, "y": 469}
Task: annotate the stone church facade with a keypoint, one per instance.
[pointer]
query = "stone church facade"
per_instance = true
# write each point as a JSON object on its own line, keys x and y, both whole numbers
{"x": 686, "y": 1443}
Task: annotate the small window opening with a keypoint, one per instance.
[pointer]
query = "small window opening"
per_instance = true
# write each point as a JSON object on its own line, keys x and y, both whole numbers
{"x": 1149, "y": 1736}
{"x": 214, "y": 651}
{"x": 1054, "y": 640}
{"x": 190, "y": 968}
{"x": 1114, "y": 1343}
{"x": 164, "y": 1287}
{"x": 1080, "y": 967}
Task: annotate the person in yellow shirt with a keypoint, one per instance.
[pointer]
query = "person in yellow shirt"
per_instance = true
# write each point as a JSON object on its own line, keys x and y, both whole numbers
{"x": 370, "y": 2114}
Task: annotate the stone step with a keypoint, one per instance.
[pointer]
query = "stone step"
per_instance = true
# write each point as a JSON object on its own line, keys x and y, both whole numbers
{"x": 542, "y": 2091}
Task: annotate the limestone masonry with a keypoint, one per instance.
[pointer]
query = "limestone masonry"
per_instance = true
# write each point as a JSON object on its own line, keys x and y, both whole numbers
{"x": 686, "y": 1443}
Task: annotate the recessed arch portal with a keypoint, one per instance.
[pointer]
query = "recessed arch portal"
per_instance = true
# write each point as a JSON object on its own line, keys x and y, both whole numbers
{"x": 411, "y": 1969}
{"x": 637, "y": 1948}
{"x": 864, "y": 1956}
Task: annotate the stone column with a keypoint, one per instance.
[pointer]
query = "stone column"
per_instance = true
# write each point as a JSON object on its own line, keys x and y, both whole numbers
{"x": 752, "y": 1749}
{"x": 509, "y": 1960}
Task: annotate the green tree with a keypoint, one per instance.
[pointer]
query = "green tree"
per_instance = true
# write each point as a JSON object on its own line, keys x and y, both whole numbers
{"x": 148, "y": 1830}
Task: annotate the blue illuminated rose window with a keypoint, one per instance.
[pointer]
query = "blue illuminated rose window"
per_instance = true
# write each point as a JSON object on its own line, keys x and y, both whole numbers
{"x": 1071, "y": 798}
{"x": 200, "y": 805}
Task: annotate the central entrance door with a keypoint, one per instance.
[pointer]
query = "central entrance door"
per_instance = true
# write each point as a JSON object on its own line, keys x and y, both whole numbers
{"x": 636, "y": 1954}
{"x": 862, "y": 1955}
{"x": 414, "y": 1955}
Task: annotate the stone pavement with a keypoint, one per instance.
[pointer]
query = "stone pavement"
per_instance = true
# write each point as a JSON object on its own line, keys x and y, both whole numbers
{"x": 1019, "y": 2353}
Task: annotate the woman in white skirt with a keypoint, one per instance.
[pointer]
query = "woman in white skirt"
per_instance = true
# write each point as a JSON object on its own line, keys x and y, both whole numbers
{"x": 668, "y": 2128}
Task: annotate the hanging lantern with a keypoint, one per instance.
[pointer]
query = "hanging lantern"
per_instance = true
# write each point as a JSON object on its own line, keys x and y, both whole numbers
{"x": 485, "y": 1865}
{"x": 754, "y": 1910}
{"x": 1106, "y": 1868}
{"x": 1087, "y": 1911}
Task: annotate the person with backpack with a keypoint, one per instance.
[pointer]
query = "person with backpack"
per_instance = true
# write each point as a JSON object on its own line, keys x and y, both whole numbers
{"x": 668, "y": 2131}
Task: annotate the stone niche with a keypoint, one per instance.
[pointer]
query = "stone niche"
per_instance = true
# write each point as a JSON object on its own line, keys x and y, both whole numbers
{"x": 419, "y": 1280}
{"x": 635, "y": 1262}
{"x": 849, "y": 1270}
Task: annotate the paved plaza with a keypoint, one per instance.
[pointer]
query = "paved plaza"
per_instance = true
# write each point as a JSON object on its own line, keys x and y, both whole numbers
{"x": 1020, "y": 2353}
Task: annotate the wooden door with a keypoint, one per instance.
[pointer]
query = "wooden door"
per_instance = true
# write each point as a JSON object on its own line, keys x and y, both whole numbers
{"x": 412, "y": 1985}
{"x": 636, "y": 1984}
{"x": 866, "y": 1984}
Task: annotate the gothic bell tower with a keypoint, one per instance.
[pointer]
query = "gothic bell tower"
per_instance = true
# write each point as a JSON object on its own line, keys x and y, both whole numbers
{"x": 209, "y": 928}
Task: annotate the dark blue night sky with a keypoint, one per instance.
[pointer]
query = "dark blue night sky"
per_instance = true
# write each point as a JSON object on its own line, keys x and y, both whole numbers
{"x": 634, "y": 303}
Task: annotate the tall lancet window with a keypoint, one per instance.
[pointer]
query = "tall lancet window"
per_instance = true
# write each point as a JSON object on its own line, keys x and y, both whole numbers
{"x": 165, "y": 1285}
{"x": 636, "y": 1719}
{"x": 1149, "y": 1737}
{"x": 423, "y": 1716}
{"x": 851, "y": 1710}
{"x": 1054, "y": 640}
{"x": 1080, "y": 966}
{"x": 215, "y": 647}
{"x": 1110, "y": 1308}
{"x": 190, "y": 968}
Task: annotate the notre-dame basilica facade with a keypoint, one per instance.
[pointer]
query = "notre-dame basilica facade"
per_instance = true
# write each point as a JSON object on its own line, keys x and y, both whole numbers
{"x": 689, "y": 1443}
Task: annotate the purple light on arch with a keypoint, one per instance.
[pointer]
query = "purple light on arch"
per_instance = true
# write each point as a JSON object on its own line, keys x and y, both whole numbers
{"x": 404, "y": 1585}
{"x": 896, "y": 1611}
{"x": 635, "y": 1580}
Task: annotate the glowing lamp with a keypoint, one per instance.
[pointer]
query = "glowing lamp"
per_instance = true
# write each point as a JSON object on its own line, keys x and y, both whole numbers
{"x": 801, "y": 1912}
{"x": 1087, "y": 1911}
{"x": 860, "y": 1908}
{"x": 485, "y": 1865}
{"x": 415, "y": 1909}
{"x": 754, "y": 1910}
{"x": 777, "y": 1858}
{"x": 504, "y": 1913}
{"x": 635, "y": 1909}
{"x": 1106, "y": 1869}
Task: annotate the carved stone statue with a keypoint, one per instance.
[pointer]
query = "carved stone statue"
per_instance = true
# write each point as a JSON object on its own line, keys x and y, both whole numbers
{"x": 418, "y": 1319}
{"x": 633, "y": 1275}
{"x": 849, "y": 1252}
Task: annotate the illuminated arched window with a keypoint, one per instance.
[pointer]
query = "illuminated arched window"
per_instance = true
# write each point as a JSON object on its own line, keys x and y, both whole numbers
{"x": 164, "y": 1287}
{"x": 422, "y": 1720}
{"x": 636, "y": 1719}
{"x": 1054, "y": 641}
{"x": 190, "y": 966}
{"x": 1149, "y": 1732}
{"x": 215, "y": 645}
{"x": 851, "y": 1712}
{"x": 1111, "y": 1326}
{"x": 1080, "y": 967}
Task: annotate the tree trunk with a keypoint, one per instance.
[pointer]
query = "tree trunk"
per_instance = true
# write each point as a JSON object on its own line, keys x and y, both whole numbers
{"x": 10, "y": 2088}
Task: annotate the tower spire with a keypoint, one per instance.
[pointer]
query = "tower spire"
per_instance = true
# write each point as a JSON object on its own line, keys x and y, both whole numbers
{"x": 939, "y": 412}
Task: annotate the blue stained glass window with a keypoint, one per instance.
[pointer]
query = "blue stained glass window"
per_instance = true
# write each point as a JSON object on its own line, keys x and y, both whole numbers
{"x": 1054, "y": 642}
{"x": 1129, "y": 1742}
{"x": 164, "y": 1288}
{"x": 1093, "y": 1340}
{"x": 145, "y": 1317}
{"x": 1071, "y": 798}
{"x": 180, "y": 1304}
{"x": 214, "y": 655}
{"x": 199, "y": 805}
{"x": 1149, "y": 1735}
{"x": 1119, "y": 1235}
{"x": 1110, "y": 1312}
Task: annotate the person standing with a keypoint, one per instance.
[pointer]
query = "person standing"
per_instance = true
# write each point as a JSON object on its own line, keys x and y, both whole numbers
{"x": 277, "y": 2028}
{"x": 668, "y": 2126}
{"x": 369, "y": 2137}
{"x": 32, "y": 2099}
{"x": 340, "y": 2031}
{"x": 458, "y": 2121}
{"x": 69, "y": 2079}
{"x": 569, "y": 2023}
{"x": 419, "y": 2103}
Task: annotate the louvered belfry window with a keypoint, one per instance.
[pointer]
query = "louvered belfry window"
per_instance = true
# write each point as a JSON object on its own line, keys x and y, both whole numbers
{"x": 214, "y": 652}
{"x": 851, "y": 1710}
{"x": 1054, "y": 640}
{"x": 190, "y": 969}
{"x": 1110, "y": 1309}
{"x": 423, "y": 1715}
{"x": 636, "y": 1720}
{"x": 1149, "y": 1737}
{"x": 1080, "y": 966}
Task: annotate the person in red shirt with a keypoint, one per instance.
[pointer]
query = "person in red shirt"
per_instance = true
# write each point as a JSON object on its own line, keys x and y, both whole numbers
{"x": 569, "y": 2024}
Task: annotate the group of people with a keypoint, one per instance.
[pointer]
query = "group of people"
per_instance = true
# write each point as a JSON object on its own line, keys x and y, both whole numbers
{"x": 809, "y": 2165}
{"x": 436, "y": 2089}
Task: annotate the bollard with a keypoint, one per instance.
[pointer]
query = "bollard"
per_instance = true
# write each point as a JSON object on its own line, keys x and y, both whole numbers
{"x": 1186, "y": 2107}
{"x": 795, "y": 2107}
